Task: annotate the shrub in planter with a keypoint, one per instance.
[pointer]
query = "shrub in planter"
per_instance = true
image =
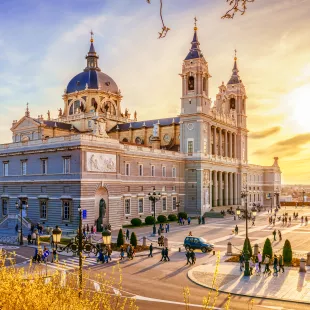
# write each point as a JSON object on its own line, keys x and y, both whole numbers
{"x": 149, "y": 220}
{"x": 136, "y": 222}
{"x": 248, "y": 243}
{"x": 172, "y": 217}
{"x": 182, "y": 215}
{"x": 287, "y": 252}
{"x": 133, "y": 239}
{"x": 120, "y": 238}
{"x": 267, "y": 249}
{"x": 161, "y": 218}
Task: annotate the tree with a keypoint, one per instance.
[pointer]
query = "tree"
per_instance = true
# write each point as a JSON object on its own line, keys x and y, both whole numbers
{"x": 133, "y": 239}
{"x": 267, "y": 250}
{"x": 120, "y": 238}
{"x": 287, "y": 252}
{"x": 248, "y": 243}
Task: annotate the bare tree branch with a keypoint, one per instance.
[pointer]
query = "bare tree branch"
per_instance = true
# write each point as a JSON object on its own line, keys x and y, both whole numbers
{"x": 236, "y": 6}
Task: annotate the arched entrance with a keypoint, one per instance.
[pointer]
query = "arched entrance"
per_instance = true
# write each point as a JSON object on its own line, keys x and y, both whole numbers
{"x": 101, "y": 208}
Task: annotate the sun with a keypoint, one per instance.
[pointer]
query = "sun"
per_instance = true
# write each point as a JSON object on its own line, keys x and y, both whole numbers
{"x": 299, "y": 102}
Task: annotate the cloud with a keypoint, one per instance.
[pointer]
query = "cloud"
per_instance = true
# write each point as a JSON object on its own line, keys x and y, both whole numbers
{"x": 264, "y": 133}
{"x": 288, "y": 147}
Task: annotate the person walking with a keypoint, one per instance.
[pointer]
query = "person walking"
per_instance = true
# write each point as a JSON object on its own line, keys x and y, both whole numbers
{"x": 253, "y": 221}
{"x": 280, "y": 235}
{"x": 252, "y": 265}
{"x": 241, "y": 261}
{"x": 236, "y": 230}
{"x": 257, "y": 269}
{"x": 188, "y": 256}
{"x": 109, "y": 253}
{"x": 162, "y": 254}
{"x": 92, "y": 229}
{"x": 122, "y": 254}
{"x": 281, "y": 263}
{"x": 283, "y": 220}
{"x": 151, "y": 250}
{"x": 129, "y": 251}
{"x": 267, "y": 262}
{"x": 166, "y": 254}
{"x": 127, "y": 234}
{"x": 302, "y": 220}
{"x": 274, "y": 221}
{"x": 260, "y": 259}
{"x": 275, "y": 265}
{"x": 87, "y": 228}
{"x": 188, "y": 220}
{"x": 306, "y": 220}
{"x": 274, "y": 235}
{"x": 193, "y": 257}
{"x": 289, "y": 221}
{"x": 166, "y": 227}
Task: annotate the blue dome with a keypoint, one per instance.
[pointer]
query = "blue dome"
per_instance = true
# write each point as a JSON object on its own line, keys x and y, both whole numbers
{"x": 94, "y": 79}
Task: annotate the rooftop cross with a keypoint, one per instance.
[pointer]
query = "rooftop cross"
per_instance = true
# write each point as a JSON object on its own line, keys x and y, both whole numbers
{"x": 91, "y": 36}
{"x": 235, "y": 54}
{"x": 195, "y": 19}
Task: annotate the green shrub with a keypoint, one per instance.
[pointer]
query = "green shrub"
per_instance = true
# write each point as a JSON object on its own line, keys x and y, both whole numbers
{"x": 161, "y": 218}
{"x": 172, "y": 217}
{"x": 248, "y": 243}
{"x": 120, "y": 238}
{"x": 267, "y": 249}
{"x": 287, "y": 252}
{"x": 149, "y": 220}
{"x": 133, "y": 239}
{"x": 183, "y": 215}
{"x": 136, "y": 222}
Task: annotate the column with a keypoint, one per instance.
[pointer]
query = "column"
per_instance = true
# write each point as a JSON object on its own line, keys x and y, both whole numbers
{"x": 220, "y": 142}
{"x": 235, "y": 145}
{"x": 235, "y": 189}
{"x": 231, "y": 194}
{"x": 225, "y": 188}
{"x": 210, "y": 188}
{"x": 209, "y": 141}
{"x": 220, "y": 188}
{"x": 225, "y": 145}
{"x": 215, "y": 200}
{"x": 214, "y": 140}
{"x": 230, "y": 144}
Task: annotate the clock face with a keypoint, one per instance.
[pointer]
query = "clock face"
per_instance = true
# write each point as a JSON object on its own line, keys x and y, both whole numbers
{"x": 190, "y": 126}
{"x": 167, "y": 138}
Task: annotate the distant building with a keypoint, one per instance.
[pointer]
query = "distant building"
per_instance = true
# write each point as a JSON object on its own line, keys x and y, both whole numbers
{"x": 100, "y": 157}
{"x": 288, "y": 198}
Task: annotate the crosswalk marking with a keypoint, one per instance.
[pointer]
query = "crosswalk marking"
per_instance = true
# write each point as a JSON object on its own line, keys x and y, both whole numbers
{"x": 72, "y": 263}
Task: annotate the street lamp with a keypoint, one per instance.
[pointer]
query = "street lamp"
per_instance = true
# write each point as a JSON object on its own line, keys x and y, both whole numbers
{"x": 254, "y": 211}
{"x": 106, "y": 237}
{"x": 154, "y": 197}
{"x": 19, "y": 206}
{"x": 244, "y": 194}
{"x": 80, "y": 248}
{"x": 238, "y": 211}
{"x": 56, "y": 235}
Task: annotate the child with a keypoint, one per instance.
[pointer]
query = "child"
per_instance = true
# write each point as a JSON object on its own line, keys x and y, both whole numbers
{"x": 122, "y": 253}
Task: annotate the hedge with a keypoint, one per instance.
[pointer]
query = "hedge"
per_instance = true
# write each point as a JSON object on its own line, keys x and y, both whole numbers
{"x": 136, "y": 222}
{"x": 149, "y": 220}
{"x": 161, "y": 218}
{"x": 172, "y": 217}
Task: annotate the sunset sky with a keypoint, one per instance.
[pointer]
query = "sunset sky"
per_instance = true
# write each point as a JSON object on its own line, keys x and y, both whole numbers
{"x": 43, "y": 45}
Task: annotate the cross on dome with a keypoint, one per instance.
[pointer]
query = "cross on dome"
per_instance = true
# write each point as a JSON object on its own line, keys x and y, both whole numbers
{"x": 91, "y": 36}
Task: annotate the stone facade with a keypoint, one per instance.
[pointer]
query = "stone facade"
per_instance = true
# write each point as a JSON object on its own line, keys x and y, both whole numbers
{"x": 103, "y": 160}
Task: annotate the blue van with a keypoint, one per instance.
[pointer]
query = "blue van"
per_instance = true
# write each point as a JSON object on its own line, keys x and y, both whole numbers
{"x": 198, "y": 243}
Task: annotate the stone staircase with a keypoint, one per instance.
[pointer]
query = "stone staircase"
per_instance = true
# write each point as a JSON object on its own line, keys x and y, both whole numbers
{"x": 10, "y": 221}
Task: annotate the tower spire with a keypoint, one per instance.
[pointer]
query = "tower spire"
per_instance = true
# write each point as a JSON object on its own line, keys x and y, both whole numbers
{"x": 235, "y": 78}
{"x": 92, "y": 57}
{"x": 27, "y": 113}
{"x": 195, "y": 51}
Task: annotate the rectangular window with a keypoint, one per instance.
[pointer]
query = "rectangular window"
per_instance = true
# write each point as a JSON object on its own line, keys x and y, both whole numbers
{"x": 174, "y": 203}
{"x": 23, "y": 167}
{"x": 164, "y": 200}
{"x": 127, "y": 206}
{"x": 205, "y": 147}
{"x": 164, "y": 171}
{"x": 66, "y": 210}
{"x": 190, "y": 148}
{"x": 163, "y": 189}
{"x": 66, "y": 165}
{"x": 127, "y": 169}
{"x": 140, "y": 170}
{"x": 153, "y": 171}
{"x": 174, "y": 172}
{"x": 44, "y": 166}
{"x": 4, "y": 207}
{"x": 5, "y": 169}
{"x": 140, "y": 205}
{"x": 173, "y": 188}
{"x": 43, "y": 209}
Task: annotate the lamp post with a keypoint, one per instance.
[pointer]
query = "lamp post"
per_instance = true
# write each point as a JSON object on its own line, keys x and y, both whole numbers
{"x": 56, "y": 235}
{"x": 244, "y": 194}
{"x": 154, "y": 197}
{"x": 80, "y": 248}
{"x": 106, "y": 238}
{"x": 277, "y": 193}
{"x": 19, "y": 206}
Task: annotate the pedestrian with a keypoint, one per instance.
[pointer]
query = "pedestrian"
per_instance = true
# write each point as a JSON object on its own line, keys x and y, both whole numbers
{"x": 166, "y": 227}
{"x": 283, "y": 220}
{"x": 253, "y": 221}
{"x": 289, "y": 221}
{"x": 252, "y": 265}
{"x": 188, "y": 256}
{"x": 193, "y": 257}
{"x": 274, "y": 235}
{"x": 95, "y": 229}
{"x": 199, "y": 220}
{"x": 34, "y": 238}
{"x": 190, "y": 234}
{"x": 183, "y": 222}
{"x": 241, "y": 261}
{"x": 267, "y": 262}
{"x": 32, "y": 228}
{"x": 275, "y": 265}
{"x": 302, "y": 220}
{"x": 274, "y": 221}
{"x": 29, "y": 238}
{"x": 16, "y": 227}
{"x": 180, "y": 221}
{"x": 54, "y": 256}
{"x": 166, "y": 254}
{"x": 92, "y": 229}
{"x": 260, "y": 259}
{"x": 162, "y": 254}
{"x": 151, "y": 250}
{"x": 106, "y": 257}
{"x": 281, "y": 263}
{"x": 109, "y": 251}
{"x": 257, "y": 269}
{"x": 236, "y": 230}
{"x": 306, "y": 220}
{"x": 159, "y": 231}
{"x": 188, "y": 220}
{"x": 280, "y": 235}
{"x": 122, "y": 253}
{"x": 87, "y": 228}
{"x": 129, "y": 251}
{"x": 127, "y": 234}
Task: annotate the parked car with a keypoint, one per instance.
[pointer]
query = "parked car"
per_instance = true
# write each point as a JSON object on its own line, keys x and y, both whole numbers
{"x": 198, "y": 243}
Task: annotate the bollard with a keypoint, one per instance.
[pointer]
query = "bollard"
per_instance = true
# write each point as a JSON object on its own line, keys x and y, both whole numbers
{"x": 179, "y": 249}
{"x": 255, "y": 249}
{"x": 166, "y": 242}
{"x": 229, "y": 249}
{"x": 144, "y": 241}
{"x": 308, "y": 259}
{"x": 302, "y": 266}
{"x": 213, "y": 252}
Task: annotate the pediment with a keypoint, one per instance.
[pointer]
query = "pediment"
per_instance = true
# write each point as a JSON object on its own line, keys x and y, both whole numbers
{"x": 25, "y": 123}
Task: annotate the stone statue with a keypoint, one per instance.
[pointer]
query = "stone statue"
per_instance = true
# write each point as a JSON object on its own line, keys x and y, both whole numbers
{"x": 102, "y": 208}
{"x": 135, "y": 115}
{"x": 48, "y": 115}
{"x": 60, "y": 112}
{"x": 126, "y": 112}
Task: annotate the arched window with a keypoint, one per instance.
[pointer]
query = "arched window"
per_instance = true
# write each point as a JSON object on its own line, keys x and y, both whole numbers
{"x": 75, "y": 107}
{"x": 191, "y": 83}
{"x": 232, "y": 102}
{"x": 204, "y": 83}
{"x": 125, "y": 140}
{"x": 138, "y": 140}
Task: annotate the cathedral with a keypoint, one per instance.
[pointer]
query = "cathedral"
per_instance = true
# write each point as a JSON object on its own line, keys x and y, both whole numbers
{"x": 98, "y": 156}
